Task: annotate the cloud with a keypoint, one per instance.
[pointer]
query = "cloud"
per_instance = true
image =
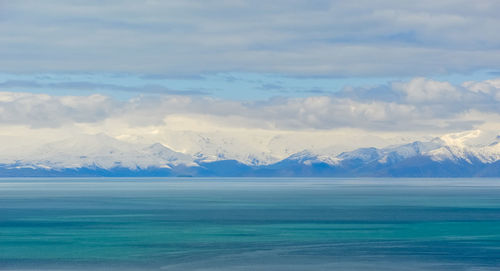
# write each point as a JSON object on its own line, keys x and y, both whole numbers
{"x": 298, "y": 38}
{"x": 419, "y": 105}
{"x": 490, "y": 88}
{"x": 40, "y": 110}
{"x": 421, "y": 90}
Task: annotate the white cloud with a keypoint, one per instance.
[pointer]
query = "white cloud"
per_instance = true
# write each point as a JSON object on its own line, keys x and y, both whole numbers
{"x": 491, "y": 88}
{"x": 422, "y": 90}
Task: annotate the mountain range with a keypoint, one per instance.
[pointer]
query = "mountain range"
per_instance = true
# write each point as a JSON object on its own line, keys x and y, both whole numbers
{"x": 101, "y": 155}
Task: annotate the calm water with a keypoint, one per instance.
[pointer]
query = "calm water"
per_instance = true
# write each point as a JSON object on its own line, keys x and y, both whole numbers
{"x": 249, "y": 224}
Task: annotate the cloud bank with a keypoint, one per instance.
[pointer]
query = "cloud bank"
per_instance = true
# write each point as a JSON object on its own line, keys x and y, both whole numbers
{"x": 420, "y": 104}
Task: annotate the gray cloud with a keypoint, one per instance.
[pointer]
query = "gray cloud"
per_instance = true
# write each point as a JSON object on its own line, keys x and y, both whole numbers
{"x": 299, "y": 38}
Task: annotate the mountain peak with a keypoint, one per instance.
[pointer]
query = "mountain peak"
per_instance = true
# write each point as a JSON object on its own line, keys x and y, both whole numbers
{"x": 101, "y": 151}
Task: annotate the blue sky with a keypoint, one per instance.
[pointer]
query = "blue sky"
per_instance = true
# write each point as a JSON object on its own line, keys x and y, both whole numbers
{"x": 234, "y": 86}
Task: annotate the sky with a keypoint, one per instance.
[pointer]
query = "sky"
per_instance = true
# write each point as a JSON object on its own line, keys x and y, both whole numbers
{"x": 323, "y": 74}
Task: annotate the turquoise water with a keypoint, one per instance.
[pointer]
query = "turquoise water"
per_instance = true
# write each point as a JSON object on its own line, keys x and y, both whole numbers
{"x": 249, "y": 224}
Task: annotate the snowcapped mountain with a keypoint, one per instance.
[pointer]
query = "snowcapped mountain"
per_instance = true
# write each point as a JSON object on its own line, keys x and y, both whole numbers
{"x": 98, "y": 151}
{"x": 450, "y": 155}
{"x": 446, "y": 148}
{"x": 212, "y": 146}
{"x": 254, "y": 148}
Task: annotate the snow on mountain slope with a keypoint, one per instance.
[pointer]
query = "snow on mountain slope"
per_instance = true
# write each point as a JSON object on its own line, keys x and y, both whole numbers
{"x": 99, "y": 151}
{"x": 214, "y": 146}
{"x": 489, "y": 153}
{"x": 102, "y": 151}
{"x": 254, "y": 147}
{"x": 211, "y": 149}
{"x": 451, "y": 147}
{"x": 464, "y": 146}
{"x": 405, "y": 151}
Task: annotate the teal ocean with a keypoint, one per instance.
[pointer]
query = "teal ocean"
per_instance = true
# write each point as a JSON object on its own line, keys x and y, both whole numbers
{"x": 249, "y": 224}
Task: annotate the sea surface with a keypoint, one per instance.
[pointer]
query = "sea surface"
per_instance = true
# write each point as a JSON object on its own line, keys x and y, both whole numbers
{"x": 249, "y": 224}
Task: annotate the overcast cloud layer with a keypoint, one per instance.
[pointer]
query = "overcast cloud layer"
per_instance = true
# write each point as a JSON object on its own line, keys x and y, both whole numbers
{"x": 298, "y": 38}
